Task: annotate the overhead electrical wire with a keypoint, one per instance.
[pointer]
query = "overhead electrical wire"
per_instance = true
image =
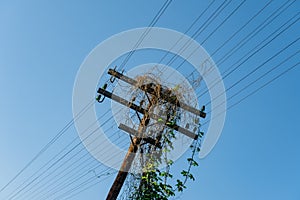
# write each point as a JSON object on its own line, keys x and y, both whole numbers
{"x": 188, "y": 29}
{"x": 46, "y": 147}
{"x": 196, "y": 34}
{"x": 235, "y": 33}
{"x": 55, "y": 181}
{"x": 89, "y": 135}
{"x": 69, "y": 124}
{"x": 242, "y": 27}
{"x": 201, "y": 29}
{"x": 229, "y": 39}
{"x": 285, "y": 72}
{"x": 267, "y": 21}
{"x": 236, "y": 103}
{"x": 77, "y": 143}
{"x": 223, "y": 22}
{"x": 145, "y": 33}
{"x": 255, "y": 69}
{"x": 79, "y": 177}
{"x": 64, "y": 185}
{"x": 259, "y": 78}
{"x": 254, "y": 51}
{"x": 249, "y": 36}
{"x": 254, "y": 91}
{"x": 54, "y": 157}
{"x": 87, "y": 180}
{"x": 267, "y": 83}
{"x": 86, "y": 187}
{"x": 61, "y": 158}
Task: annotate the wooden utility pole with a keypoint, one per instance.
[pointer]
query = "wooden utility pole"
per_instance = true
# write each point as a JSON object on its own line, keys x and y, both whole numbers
{"x": 157, "y": 92}
{"x": 134, "y": 145}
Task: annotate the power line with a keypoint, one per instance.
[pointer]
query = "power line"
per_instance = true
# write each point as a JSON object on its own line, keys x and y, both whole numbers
{"x": 69, "y": 124}
{"x": 188, "y": 29}
{"x": 54, "y": 157}
{"x": 221, "y": 47}
{"x": 164, "y": 9}
{"x": 256, "y": 68}
{"x": 254, "y": 51}
{"x": 257, "y": 30}
{"x": 69, "y": 167}
{"x": 55, "y": 180}
{"x": 221, "y": 24}
{"x": 255, "y": 91}
{"x": 201, "y": 29}
{"x": 264, "y": 85}
{"x": 242, "y": 27}
{"x": 53, "y": 140}
{"x": 298, "y": 63}
{"x": 237, "y": 31}
{"x": 74, "y": 177}
{"x": 86, "y": 188}
{"x": 72, "y": 149}
{"x": 67, "y": 184}
{"x": 260, "y": 77}
{"x": 247, "y": 38}
{"x": 145, "y": 33}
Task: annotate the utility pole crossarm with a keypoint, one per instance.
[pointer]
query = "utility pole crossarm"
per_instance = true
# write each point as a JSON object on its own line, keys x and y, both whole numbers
{"x": 136, "y": 133}
{"x": 143, "y": 111}
{"x": 164, "y": 93}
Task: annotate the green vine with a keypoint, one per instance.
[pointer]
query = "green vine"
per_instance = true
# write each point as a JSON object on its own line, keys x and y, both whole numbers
{"x": 154, "y": 184}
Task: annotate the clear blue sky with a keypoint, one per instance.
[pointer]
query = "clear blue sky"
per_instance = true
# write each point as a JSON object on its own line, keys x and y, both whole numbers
{"x": 42, "y": 45}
